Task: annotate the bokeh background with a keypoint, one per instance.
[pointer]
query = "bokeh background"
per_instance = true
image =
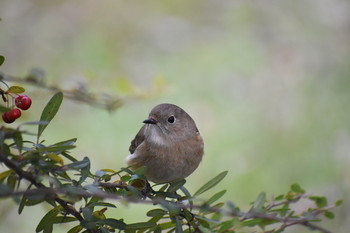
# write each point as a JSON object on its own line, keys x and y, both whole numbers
{"x": 266, "y": 81}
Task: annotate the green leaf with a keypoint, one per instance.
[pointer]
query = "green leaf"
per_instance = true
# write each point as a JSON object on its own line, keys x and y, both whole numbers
{"x": 71, "y": 158}
{"x": 266, "y": 222}
{"x": 50, "y": 111}
{"x": 79, "y": 164}
{"x": 166, "y": 225}
{"x": 338, "y": 203}
{"x": 63, "y": 219}
{"x": 140, "y": 226}
{"x": 48, "y": 228}
{"x": 47, "y": 220}
{"x": 224, "y": 226}
{"x": 55, "y": 158}
{"x": 17, "y": 137}
{"x": 155, "y": 219}
{"x": 175, "y": 185}
{"x": 2, "y": 60}
{"x": 252, "y": 222}
{"x": 141, "y": 170}
{"x": 203, "y": 223}
{"x": 259, "y": 202}
{"x": 216, "y": 197}
{"x": 4, "y": 109}
{"x": 156, "y": 212}
{"x": 173, "y": 208}
{"x": 5, "y": 174}
{"x": 328, "y": 214}
{"x": 211, "y": 183}
{"x": 68, "y": 142}
{"x": 320, "y": 201}
{"x": 54, "y": 149}
{"x": 101, "y": 203}
{"x": 23, "y": 201}
{"x": 16, "y": 90}
{"x": 296, "y": 188}
{"x": 36, "y": 198}
{"x": 279, "y": 198}
{"x": 87, "y": 213}
{"x": 12, "y": 181}
{"x": 75, "y": 229}
{"x": 117, "y": 224}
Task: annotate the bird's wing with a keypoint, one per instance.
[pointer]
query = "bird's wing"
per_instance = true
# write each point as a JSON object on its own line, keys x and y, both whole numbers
{"x": 139, "y": 138}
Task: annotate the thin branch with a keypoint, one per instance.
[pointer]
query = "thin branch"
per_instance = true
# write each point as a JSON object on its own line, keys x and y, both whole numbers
{"x": 80, "y": 93}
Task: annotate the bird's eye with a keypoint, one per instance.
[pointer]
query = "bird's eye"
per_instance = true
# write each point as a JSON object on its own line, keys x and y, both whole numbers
{"x": 171, "y": 119}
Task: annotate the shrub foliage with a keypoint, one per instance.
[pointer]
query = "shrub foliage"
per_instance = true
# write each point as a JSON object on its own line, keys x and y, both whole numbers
{"x": 37, "y": 173}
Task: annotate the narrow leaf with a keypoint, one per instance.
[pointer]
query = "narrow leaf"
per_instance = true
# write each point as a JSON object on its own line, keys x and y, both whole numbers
{"x": 80, "y": 164}
{"x": 252, "y": 222}
{"x": 101, "y": 203}
{"x": 23, "y": 201}
{"x": 56, "y": 158}
{"x": 68, "y": 142}
{"x": 17, "y": 137}
{"x": 117, "y": 224}
{"x": 328, "y": 214}
{"x": 140, "y": 225}
{"x": 16, "y": 89}
{"x": 71, "y": 158}
{"x": 46, "y": 220}
{"x": 259, "y": 202}
{"x": 50, "y": 111}
{"x": 4, "y": 109}
{"x": 108, "y": 170}
{"x": 4, "y": 174}
{"x": 175, "y": 185}
{"x": 156, "y": 212}
{"x": 338, "y": 203}
{"x": 87, "y": 213}
{"x": 216, "y": 197}
{"x": 320, "y": 201}
{"x": 211, "y": 183}
{"x": 297, "y": 188}
{"x": 166, "y": 225}
{"x": 48, "y": 228}
{"x": 54, "y": 148}
{"x": 75, "y": 229}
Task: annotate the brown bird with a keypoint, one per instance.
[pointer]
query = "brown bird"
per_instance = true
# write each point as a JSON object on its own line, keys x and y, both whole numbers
{"x": 168, "y": 145}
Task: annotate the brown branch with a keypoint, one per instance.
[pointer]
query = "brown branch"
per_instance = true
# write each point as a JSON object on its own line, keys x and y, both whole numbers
{"x": 79, "y": 93}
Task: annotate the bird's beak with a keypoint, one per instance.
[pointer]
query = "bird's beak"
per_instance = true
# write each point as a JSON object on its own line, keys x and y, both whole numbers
{"x": 150, "y": 121}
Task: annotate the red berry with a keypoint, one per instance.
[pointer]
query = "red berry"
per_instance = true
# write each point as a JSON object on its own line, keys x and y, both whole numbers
{"x": 14, "y": 113}
{"x": 23, "y": 102}
{"x": 6, "y": 118}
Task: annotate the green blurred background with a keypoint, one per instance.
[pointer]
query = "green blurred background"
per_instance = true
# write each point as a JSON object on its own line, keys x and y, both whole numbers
{"x": 266, "y": 81}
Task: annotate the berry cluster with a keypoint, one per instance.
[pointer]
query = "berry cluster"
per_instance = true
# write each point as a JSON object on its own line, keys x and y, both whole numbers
{"x": 22, "y": 102}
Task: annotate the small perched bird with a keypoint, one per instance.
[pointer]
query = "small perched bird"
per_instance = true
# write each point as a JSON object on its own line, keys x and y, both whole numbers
{"x": 168, "y": 145}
